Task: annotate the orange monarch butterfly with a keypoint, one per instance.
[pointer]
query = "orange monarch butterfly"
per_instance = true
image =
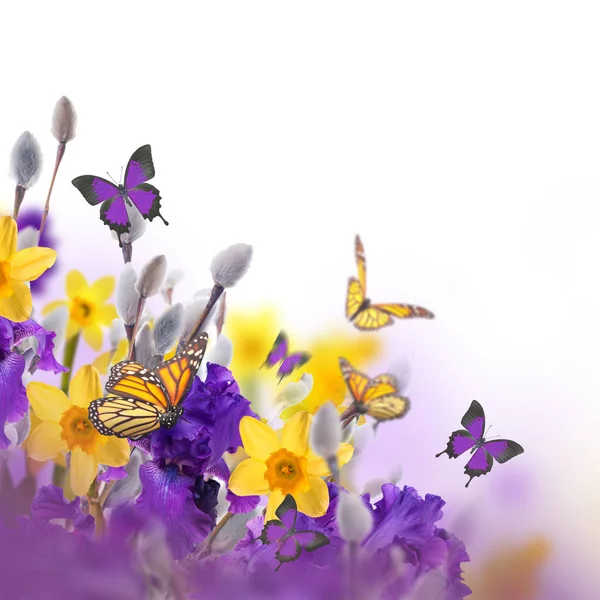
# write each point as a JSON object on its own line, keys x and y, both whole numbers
{"x": 379, "y": 397}
{"x": 147, "y": 399}
{"x": 367, "y": 316}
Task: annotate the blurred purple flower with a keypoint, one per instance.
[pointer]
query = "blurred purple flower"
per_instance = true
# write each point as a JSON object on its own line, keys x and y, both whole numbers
{"x": 112, "y": 474}
{"x": 32, "y": 218}
{"x": 13, "y": 399}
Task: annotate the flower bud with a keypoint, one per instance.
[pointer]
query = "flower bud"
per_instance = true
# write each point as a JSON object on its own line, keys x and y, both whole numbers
{"x": 117, "y": 333}
{"x": 64, "y": 120}
{"x": 151, "y": 277}
{"x": 173, "y": 278}
{"x": 231, "y": 264}
{"x": 326, "y": 431}
{"x": 26, "y": 160}
{"x": 222, "y": 352}
{"x": 137, "y": 226}
{"x": 354, "y": 519}
{"x": 168, "y": 328}
{"x": 126, "y": 295}
{"x": 192, "y": 311}
{"x": 145, "y": 350}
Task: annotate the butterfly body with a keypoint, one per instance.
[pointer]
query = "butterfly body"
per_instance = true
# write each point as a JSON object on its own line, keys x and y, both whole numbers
{"x": 289, "y": 361}
{"x": 142, "y": 400}
{"x": 365, "y": 315}
{"x": 483, "y": 452}
{"x": 378, "y": 397}
{"x": 115, "y": 198}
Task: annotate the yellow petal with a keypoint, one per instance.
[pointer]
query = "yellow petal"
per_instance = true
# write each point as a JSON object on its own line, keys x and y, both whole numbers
{"x": 92, "y": 334}
{"x": 101, "y": 363}
{"x": 105, "y": 314}
{"x": 318, "y": 466}
{"x": 30, "y": 263}
{"x": 8, "y": 237}
{"x": 275, "y": 499}
{"x": 294, "y": 435}
{"x": 114, "y": 452}
{"x": 45, "y": 442}
{"x": 85, "y": 386}
{"x": 82, "y": 472}
{"x": 53, "y": 306}
{"x": 18, "y": 306}
{"x": 73, "y": 328}
{"x": 48, "y": 402}
{"x": 290, "y": 411}
{"x": 121, "y": 351}
{"x": 75, "y": 284}
{"x": 259, "y": 440}
{"x": 314, "y": 501}
{"x": 248, "y": 478}
{"x": 102, "y": 289}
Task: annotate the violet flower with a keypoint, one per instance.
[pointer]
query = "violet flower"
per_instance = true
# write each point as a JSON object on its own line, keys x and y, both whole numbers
{"x": 13, "y": 399}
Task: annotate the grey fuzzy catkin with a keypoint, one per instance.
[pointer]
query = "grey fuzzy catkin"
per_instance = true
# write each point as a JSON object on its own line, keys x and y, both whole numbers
{"x": 192, "y": 311}
{"x": 354, "y": 519}
{"x": 231, "y": 264}
{"x": 126, "y": 295}
{"x": 168, "y": 328}
{"x": 64, "y": 120}
{"x": 26, "y": 160}
{"x": 326, "y": 431}
{"x": 145, "y": 350}
{"x": 152, "y": 275}
{"x": 29, "y": 237}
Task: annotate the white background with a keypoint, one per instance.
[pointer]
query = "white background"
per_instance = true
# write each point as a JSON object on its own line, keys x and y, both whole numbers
{"x": 461, "y": 140}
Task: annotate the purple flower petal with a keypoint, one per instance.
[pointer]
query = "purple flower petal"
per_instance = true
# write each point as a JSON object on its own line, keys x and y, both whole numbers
{"x": 13, "y": 398}
{"x": 166, "y": 494}
{"x": 49, "y": 503}
{"x": 45, "y": 348}
{"x": 241, "y": 504}
{"x": 113, "y": 474}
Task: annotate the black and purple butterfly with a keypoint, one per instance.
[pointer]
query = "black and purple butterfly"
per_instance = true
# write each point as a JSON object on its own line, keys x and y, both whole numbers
{"x": 282, "y": 531}
{"x": 116, "y": 198}
{"x": 484, "y": 452}
{"x": 289, "y": 362}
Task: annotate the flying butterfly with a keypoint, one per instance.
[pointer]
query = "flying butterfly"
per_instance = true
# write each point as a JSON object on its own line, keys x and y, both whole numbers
{"x": 146, "y": 399}
{"x": 289, "y": 362}
{"x": 115, "y": 200}
{"x": 290, "y": 542}
{"x": 369, "y": 317}
{"x": 472, "y": 438}
{"x": 378, "y": 397}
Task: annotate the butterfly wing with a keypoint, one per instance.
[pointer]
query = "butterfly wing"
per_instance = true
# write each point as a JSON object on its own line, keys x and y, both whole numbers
{"x": 503, "y": 450}
{"x": 474, "y": 420}
{"x": 404, "y": 311}
{"x": 356, "y": 381}
{"x": 372, "y": 318}
{"x": 386, "y": 408}
{"x": 292, "y": 362}
{"x": 273, "y": 531}
{"x": 460, "y": 441}
{"x": 481, "y": 463}
{"x": 177, "y": 374}
{"x": 124, "y": 417}
{"x": 278, "y": 351}
{"x": 361, "y": 263}
{"x": 382, "y": 385}
{"x": 310, "y": 540}
{"x": 133, "y": 380}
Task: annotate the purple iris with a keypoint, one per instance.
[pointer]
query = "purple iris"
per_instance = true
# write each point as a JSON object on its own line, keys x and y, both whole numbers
{"x": 13, "y": 399}
{"x": 173, "y": 486}
{"x": 33, "y": 218}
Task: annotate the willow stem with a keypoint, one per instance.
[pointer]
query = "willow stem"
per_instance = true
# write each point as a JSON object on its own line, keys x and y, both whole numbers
{"x": 221, "y": 320}
{"x": 58, "y": 476}
{"x": 213, "y": 534}
{"x": 215, "y": 294}
{"x": 136, "y": 326}
{"x": 352, "y": 579}
{"x": 60, "y": 152}
{"x": 106, "y": 492}
{"x": 19, "y": 195}
{"x": 96, "y": 508}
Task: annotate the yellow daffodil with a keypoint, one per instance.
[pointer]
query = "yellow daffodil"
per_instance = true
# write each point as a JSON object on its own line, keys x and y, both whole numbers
{"x": 329, "y": 385}
{"x": 16, "y": 268}
{"x": 282, "y": 463}
{"x": 88, "y": 309}
{"x": 112, "y": 357}
{"x": 65, "y": 427}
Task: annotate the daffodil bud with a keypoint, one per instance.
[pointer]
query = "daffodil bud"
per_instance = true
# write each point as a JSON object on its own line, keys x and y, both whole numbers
{"x": 29, "y": 237}
{"x": 326, "y": 431}
{"x": 151, "y": 276}
{"x": 354, "y": 519}
{"x": 26, "y": 160}
{"x": 127, "y": 296}
{"x": 231, "y": 264}
{"x": 168, "y": 328}
{"x": 64, "y": 120}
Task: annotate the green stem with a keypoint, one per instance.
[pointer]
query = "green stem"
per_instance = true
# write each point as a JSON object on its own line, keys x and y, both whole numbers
{"x": 58, "y": 476}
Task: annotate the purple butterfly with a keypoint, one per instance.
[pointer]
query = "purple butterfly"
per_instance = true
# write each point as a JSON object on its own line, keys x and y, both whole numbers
{"x": 115, "y": 199}
{"x": 472, "y": 439}
{"x": 289, "y": 362}
{"x": 282, "y": 531}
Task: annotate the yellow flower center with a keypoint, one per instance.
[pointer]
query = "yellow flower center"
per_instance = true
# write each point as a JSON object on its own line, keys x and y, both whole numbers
{"x": 287, "y": 472}
{"x": 6, "y": 290}
{"x": 82, "y": 311}
{"x": 77, "y": 429}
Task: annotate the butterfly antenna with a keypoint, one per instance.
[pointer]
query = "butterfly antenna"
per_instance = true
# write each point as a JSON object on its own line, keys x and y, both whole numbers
{"x": 121, "y": 176}
{"x": 111, "y": 177}
{"x": 485, "y": 434}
